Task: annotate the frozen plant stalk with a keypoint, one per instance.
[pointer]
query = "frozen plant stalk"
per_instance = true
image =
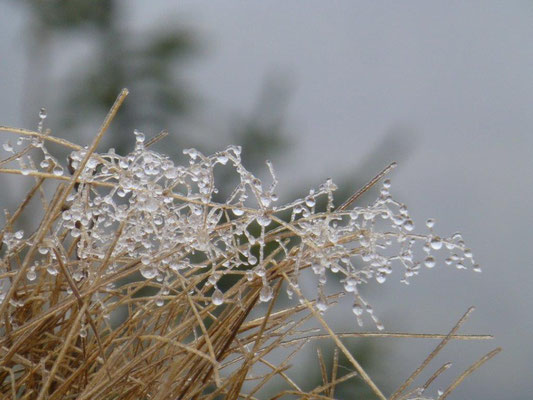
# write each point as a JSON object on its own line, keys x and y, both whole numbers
{"x": 142, "y": 213}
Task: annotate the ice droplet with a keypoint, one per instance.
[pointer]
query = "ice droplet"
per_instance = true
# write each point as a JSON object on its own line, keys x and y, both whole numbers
{"x": 148, "y": 272}
{"x": 408, "y": 225}
{"x": 237, "y": 211}
{"x": 31, "y": 275}
{"x": 265, "y": 294}
{"x": 218, "y": 297}
{"x": 321, "y": 305}
{"x": 8, "y": 147}
{"x": 429, "y": 262}
{"x": 357, "y": 309}
{"x": 58, "y": 170}
{"x": 435, "y": 243}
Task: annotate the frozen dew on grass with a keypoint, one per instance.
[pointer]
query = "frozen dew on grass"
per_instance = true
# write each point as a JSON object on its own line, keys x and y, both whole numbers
{"x": 183, "y": 259}
{"x": 169, "y": 221}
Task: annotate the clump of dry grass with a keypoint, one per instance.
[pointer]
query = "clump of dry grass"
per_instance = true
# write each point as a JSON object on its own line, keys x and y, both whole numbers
{"x": 137, "y": 284}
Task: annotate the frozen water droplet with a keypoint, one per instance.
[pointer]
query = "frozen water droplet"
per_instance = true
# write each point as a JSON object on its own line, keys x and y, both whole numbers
{"x": 31, "y": 274}
{"x": 51, "y": 269}
{"x": 8, "y": 147}
{"x": 145, "y": 260}
{"x": 249, "y": 275}
{"x": 58, "y": 170}
{"x": 218, "y": 297}
{"x": 42, "y": 113}
{"x": 265, "y": 200}
{"x": 83, "y": 332}
{"x": 429, "y": 262}
{"x": 26, "y": 171}
{"x": 398, "y": 219}
{"x": 139, "y": 136}
{"x": 237, "y": 211}
{"x": 159, "y": 302}
{"x": 357, "y": 309}
{"x": 310, "y": 201}
{"x": 435, "y": 243}
{"x": 171, "y": 173}
{"x": 265, "y": 294}
{"x": 430, "y": 223}
{"x": 381, "y": 277}
{"x": 321, "y": 306}
{"x": 440, "y": 392}
{"x": 477, "y": 268}
{"x": 252, "y": 260}
{"x": 92, "y": 162}
{"x": 148, "y": 272}
{"x": 19, "y": 234}
{"x": 408, "y": 225}
{"x": 263, "y": 220}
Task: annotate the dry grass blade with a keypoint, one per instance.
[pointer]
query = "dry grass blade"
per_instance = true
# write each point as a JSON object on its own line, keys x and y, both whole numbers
{"x": 468, "y": 371}
{"x": 341, "y": 346}
{"x": 432, "y": 355}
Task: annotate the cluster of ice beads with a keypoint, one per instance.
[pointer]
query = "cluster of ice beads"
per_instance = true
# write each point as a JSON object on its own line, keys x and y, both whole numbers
{"x": 143, "y": 209}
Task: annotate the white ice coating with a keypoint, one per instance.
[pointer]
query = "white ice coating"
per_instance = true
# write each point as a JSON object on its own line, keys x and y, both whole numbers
{"x": 169, "y": 219}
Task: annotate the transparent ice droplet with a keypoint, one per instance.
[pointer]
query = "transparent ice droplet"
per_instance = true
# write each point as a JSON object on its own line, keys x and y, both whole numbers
{"x": 148, "y": 272}
{"x": 429, "y": 262}
{"x": 218, "y": 297}
{"x": 310, "y": 201}
{"x": 42, "y": 250}
{"x": 58, "y": 170}
{"x": 436, "y": 243}
{"x": 321, "y": 305}
{"x": 52, "y": 270}
{"x": 430, "y": 223}
{"x": 139, "y": 136}
{"x": 31, "y": 274}
{"x": 357, "y": 309}
{"x": 263, "y": 220}
{"x": 237, "y": 211}
{"x": 222, "y": 159}
{"x": 265, "y": 294}
{"x": 42, "y": 113}
{"x": 83, "y": 332}
{"x": 8, "y": 147}
{"x": 409, "y": 225}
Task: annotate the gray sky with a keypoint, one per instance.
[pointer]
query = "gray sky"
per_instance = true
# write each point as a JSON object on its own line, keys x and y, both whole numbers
{"x": 446, "y": 88}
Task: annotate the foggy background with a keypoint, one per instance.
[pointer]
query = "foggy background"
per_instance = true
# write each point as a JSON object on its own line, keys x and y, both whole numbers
{"x": 342, "y": 88}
